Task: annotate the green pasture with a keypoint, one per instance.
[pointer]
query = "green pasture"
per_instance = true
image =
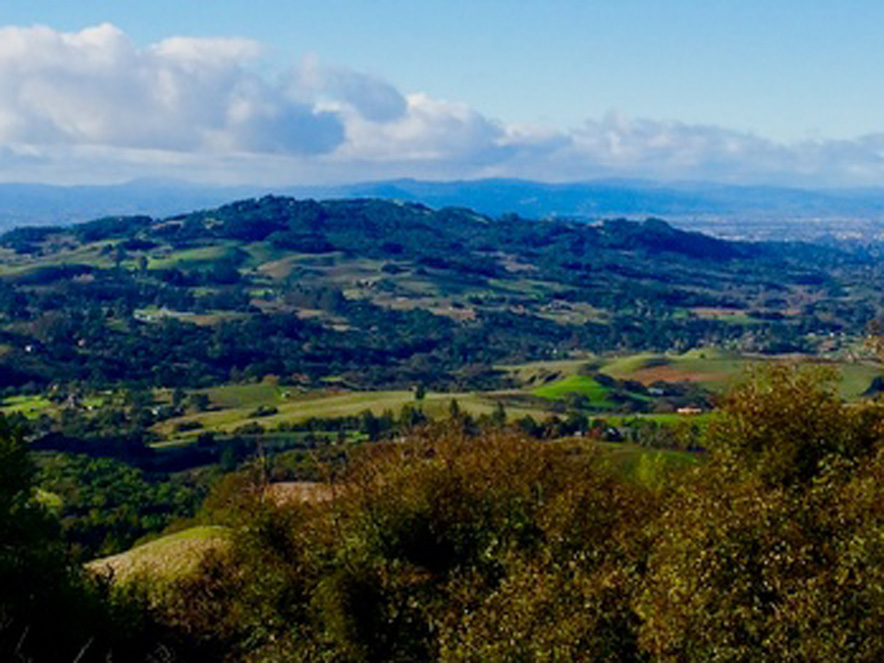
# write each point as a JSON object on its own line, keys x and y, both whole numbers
{"x": 855, "y": 379}
{"x": 236, "y": 403}
{"x": 650, "y": 467}
{"x": 261, "y": 253}
{"x": 155, "y": 314}
{"x": 583, "y": 385}
{"x": 246, "y": 395}
{"x": 536, "y": 371}
{"x": 713, "y": 368}
{"x": 85, "y": 254}
{"x": 624, "y": 367}
{"x": 525, "y": 286}
{"x": 30, "y": 406}
{"x": 668, "y": 418}
{"x": 191, "y": 257}
{"x": 710, "y": 367}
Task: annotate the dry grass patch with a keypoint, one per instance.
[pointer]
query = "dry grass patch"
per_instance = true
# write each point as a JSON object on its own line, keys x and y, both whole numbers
{"x": 168, "y": 558}
{"x": 299, "y": 492}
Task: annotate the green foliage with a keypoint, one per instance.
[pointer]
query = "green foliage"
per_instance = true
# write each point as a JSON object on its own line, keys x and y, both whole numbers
{"x": 417, "y": 535}
{"x": 500, "y": 548}
{"x": 785, "y": 423}
{"x": 51, "y": 610}
{"x": 107, "y": 505}
{"x": 773, "y": 551}
{"x": 111, "y": 301}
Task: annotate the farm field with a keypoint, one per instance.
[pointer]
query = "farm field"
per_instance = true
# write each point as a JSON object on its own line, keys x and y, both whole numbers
{"x": 713, "y": 368}
{"x": 236, "y": 405}
{"x": 233, "y": 405}
{"x": 191, "y": 257}
{"x": 583, "y": 385}
{"x": 90, "y": 254}
{"x": 538, "y": 372}
{"x": 29, "y": 406}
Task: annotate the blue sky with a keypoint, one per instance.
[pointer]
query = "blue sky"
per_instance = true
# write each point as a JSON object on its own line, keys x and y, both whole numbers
{"x": 783, "y": 93}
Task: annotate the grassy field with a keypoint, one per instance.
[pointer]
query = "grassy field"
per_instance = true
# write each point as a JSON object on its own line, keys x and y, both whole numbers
{"x": 718, "y": 369}
{"x": 191, "y": 257}
{"x": 650, "y": 467}
{"x": 625, "y": 367}
{"x": 30, "y": 406}
{"x": 583, "y": 385}
{"x": 856, "y": 378}
{"x": 539, "y": 372}
{"x": 202, "y": 319}
{"x": 711, "y": 368}
{"x": 169, "y": 557}
{"x": 235, "y": 404}
{"x": 662, "y": 418}
{"x": 246, "y": 395}
{"x": 85, "y": 254}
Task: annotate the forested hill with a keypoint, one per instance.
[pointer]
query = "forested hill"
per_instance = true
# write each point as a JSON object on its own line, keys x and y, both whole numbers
{"x": 383, "y": 292}
{"x": 383, "y": 229}
{"x": 377, "y": 228}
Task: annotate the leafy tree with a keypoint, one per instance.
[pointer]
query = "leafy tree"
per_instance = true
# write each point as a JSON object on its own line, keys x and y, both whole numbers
{"x": 454, "y": 409}
{"x": 200, "y": 401}
{"x": 498, "y": 418}
{"x": 50, "y": 610}
{"x": 785, "y": 423}
{"x": 772, "y": 551}
{"x": 439, "y": 548}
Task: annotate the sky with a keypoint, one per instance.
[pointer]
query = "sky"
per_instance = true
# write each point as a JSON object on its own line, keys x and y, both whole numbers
{"x": 319, "y": 91}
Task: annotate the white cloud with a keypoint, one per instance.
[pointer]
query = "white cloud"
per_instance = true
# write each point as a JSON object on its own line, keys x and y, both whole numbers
{"x": 93, "y": 105}
{"x": 427, "y": 130}
{"x": 95, "y": 87}
{"x": 368, "y": 96}
{"x": 211, "y": 52}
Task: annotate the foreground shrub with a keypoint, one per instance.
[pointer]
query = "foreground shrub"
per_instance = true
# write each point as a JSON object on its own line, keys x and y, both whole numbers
{"x": 774, "y": 551}
{"x": 419, "y": 535}
{"x": 51, "y": 609}
{"x": 500, "y": 548}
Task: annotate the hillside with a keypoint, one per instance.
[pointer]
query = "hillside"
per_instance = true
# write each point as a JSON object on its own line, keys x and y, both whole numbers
{"x": 376, "y": 293}
{"x": 491, "y": 393}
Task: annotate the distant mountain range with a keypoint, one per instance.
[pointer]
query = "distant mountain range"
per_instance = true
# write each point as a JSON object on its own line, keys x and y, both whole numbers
{"x": 751, "y": 212}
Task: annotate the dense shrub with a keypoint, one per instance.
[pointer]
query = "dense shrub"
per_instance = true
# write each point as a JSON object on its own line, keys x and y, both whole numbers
{"x": 417, "y": 536}
{"x": 498, "y": 547}
{"x": 469, "y": 544}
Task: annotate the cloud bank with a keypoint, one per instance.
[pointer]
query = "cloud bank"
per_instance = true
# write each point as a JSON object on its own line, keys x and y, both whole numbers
{"x": 93, "y": 106}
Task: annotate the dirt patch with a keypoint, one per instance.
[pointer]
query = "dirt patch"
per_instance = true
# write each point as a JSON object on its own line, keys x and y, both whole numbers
{"x": 458, "y": 314}
{"x": 711, "y": 312}
{"x": 653, "y": 374}
{"x": 299, "y": 492}
{"x": 277, "y": 269}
